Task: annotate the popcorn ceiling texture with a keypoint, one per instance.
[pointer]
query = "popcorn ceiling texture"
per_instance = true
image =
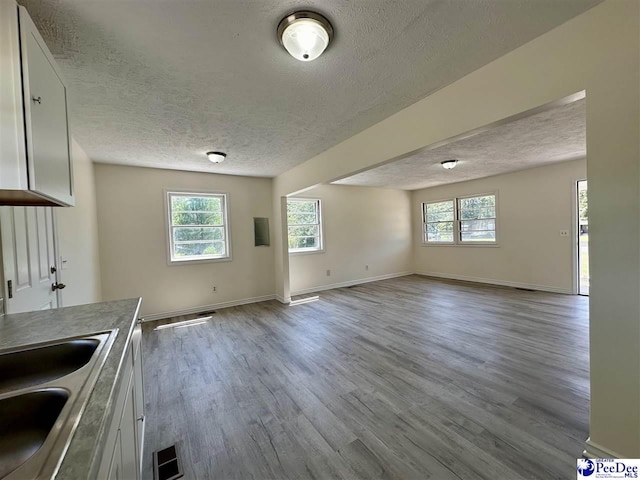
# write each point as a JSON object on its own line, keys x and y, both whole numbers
{"x": 552, "y": 136}
{"x": 158, "y": 83}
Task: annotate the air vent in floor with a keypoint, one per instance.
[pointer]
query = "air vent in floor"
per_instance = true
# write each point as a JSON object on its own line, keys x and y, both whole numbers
{"x": 166, "y": 464}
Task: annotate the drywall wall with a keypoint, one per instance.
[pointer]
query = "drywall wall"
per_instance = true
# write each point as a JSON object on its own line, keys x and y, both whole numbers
{"x": 533, "y": 206}
{"x": 78, "y": 236}
{"x": 361, "y": 227}
{"x": 133, "y": 246}
{"x": 597, "y": 52}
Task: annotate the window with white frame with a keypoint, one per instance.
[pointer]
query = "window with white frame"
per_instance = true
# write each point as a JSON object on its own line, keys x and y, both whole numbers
{"x": 477, "y": 219}
{"x": 304, "y": 224}
{"x": 460, "y": 221}
{"x": 438, "y": 220}
{"x": 198, "y": 228}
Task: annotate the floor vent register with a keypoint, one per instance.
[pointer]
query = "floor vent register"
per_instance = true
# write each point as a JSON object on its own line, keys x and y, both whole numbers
{"x": 167, "y": 464}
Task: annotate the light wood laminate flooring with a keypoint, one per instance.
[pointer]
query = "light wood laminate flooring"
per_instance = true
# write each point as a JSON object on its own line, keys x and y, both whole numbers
{"x": 408, "y": 378}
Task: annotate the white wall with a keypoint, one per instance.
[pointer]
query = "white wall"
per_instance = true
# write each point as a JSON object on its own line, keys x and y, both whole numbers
{"x": 361, "y": 226}
{"x": 597, "y": 52}
{"x": 533, "y": 206}
{"x": 78, "y": 236}
{"x": 133, "y": 250}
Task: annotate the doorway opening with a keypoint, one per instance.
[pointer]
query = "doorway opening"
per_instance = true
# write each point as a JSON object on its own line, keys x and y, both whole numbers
{"x": 583, "y": 238}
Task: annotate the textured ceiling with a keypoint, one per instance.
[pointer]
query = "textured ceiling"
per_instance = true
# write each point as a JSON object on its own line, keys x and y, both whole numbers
{"x": 158, "y": 83}
{"x": 554, "y": 135}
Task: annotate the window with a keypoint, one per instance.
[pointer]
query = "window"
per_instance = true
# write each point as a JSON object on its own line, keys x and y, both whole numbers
{"x": 477, "y": 217}
{"x": 438, "y": 221}
{"x": 198, "y": 228}
{"x": 305, "y": 227}
{"x": 467, "y": 220}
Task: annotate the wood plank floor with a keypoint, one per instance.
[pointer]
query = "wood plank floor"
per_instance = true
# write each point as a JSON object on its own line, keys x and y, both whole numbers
{"x": 405, "y": 378}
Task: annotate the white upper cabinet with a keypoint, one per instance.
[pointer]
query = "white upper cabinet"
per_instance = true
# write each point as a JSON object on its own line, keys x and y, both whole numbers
{"x": 35, "y": 147}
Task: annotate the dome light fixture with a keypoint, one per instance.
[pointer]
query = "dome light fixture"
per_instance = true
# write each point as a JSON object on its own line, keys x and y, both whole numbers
{"x": 449, "y": 164}
{"x": 216, "y": 157}
{"x": 305, "y": 34}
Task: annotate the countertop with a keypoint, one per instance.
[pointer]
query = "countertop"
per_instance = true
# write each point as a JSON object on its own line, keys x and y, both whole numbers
{"x": 85, "y": 449}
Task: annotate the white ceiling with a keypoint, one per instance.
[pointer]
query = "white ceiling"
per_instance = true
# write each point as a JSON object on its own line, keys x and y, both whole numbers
{"x": 158, "y": 82}
{"x": 554, "y": 135}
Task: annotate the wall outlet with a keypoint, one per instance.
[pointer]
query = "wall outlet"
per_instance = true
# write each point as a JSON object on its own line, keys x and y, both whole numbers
{"x": 564, "y": 233}
{"x": 366, "y": 267}
{"x": 328, "y": 273}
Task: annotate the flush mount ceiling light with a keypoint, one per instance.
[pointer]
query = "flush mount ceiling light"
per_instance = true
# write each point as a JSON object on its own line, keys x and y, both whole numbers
{"x": 305, "y": 35}
{"x": 216, "y": 157}
{"x": 449, "y": 164}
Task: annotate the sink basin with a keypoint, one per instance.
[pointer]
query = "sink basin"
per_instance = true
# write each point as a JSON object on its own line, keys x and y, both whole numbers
{"x": 25, "y": 423}
{"x": 34, "y": 366}
{"x": 43, "y": 391}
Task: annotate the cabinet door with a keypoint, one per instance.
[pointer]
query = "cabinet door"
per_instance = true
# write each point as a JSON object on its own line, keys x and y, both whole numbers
{"x": 128, "y": 435}
{"x": 139, "y": 393}
{"x": 115, "y": 469}
{"x": 46, "y": 120}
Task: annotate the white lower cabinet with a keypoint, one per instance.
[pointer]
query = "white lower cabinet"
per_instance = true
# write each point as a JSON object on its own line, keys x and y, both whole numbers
{"x": 115, "y": 468}
{"x": 122, "y": 457}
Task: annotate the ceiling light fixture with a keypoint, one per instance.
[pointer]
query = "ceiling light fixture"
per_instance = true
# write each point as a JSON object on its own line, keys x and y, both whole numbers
{"x": 449, "y": 164}
{"x": 216, "y": 157}
{"x": 305, "y": 35}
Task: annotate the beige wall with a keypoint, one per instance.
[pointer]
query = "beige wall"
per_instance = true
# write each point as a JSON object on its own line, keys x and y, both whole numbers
{"x": 533, "y": 206}
{"x": 597, "y": 52}
{"x": 133, "y": 250}
{"x": 78, "y": 236}
{"x": 361, "y": 226}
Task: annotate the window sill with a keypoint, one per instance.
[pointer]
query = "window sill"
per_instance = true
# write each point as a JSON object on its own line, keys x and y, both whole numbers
{"x": 173, "y": 263}
{"x": 305, "y": 252}
{"x": 484, "y": 245}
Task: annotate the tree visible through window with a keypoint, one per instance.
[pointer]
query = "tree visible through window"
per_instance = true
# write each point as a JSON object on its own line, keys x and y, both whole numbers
{"x": 477, "y": 218}
{"x": 438, "y": 221}
{"x": 304, "y": 223}
{"x": 197, "y": 226}
{"x": 460, "y": 220}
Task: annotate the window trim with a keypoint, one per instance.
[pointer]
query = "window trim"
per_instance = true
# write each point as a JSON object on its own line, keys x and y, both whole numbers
{"x": 456, "y": 223}
{"x": 168, "y": 227}
{"x": 424, "y": 221}
{"x": 308, "y": 251}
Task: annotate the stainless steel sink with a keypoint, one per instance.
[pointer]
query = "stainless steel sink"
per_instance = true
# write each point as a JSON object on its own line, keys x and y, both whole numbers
{"x": 43, "y": 391}
{"x": 25, "y": 423}
{"x": 34, "y": 366}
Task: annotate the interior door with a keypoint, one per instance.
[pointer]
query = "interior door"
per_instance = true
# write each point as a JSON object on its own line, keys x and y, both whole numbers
{"x": 28, "y": 253}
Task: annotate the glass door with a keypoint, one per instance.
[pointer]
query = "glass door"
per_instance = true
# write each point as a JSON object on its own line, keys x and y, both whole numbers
{"x": 583, "y": 239}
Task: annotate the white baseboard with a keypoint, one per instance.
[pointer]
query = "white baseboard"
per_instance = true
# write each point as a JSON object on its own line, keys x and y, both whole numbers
{"x": 593, "y": 450}
{"x": 286, "y": 301}
{"x": 206, "y": 308}
{"x": 349, "y": 283}
{"x": 503, "y": 283}
{"x": 302, "y": 301}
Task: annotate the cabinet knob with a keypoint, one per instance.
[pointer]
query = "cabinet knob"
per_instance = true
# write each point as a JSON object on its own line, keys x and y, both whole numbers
{"x": 37, "y": 100}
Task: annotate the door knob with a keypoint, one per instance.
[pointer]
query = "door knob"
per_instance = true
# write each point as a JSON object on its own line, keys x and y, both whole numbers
{"x": 57, "y": 286}
{"x": 53, "y": 269}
